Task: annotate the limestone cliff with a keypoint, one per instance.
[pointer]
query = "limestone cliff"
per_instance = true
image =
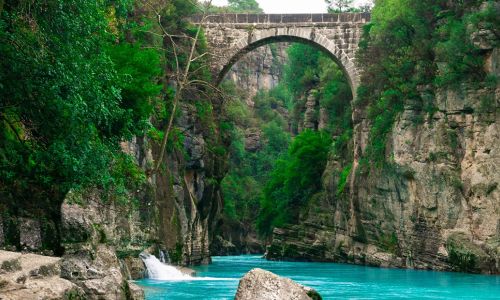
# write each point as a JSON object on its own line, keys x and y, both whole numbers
{"x": 259, "y": 70}
{"x": 437, "y": 206}
{"x": 188, "y": 193}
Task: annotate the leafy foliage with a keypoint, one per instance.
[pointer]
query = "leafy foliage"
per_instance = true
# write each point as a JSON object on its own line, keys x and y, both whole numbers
{"x": 245, "y": 6}
{"x": 302, "y": 70}
{"x": 249, "y": 170}
{"x": 239, "y": 6}
{"x": 339, "y": 5}
{"x": 410, "y": 45}
{"x": 71, "y": 90}
{"x": 295, "y": 178}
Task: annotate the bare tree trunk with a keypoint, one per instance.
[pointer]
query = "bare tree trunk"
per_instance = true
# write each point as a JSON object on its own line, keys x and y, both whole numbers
{"x": 183, "y": 81}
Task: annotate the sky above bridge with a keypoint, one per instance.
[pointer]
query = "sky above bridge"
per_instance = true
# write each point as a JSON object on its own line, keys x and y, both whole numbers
{"x": 291, "y": 6}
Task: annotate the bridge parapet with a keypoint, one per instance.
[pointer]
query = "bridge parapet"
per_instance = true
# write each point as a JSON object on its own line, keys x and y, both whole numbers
{"x": 361, "y": 18}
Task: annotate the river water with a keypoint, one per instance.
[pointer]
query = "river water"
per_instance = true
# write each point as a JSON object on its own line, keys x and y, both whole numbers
{"x": 333, "y": 281}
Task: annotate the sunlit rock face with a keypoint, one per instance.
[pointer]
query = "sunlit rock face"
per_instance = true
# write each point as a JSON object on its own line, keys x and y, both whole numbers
{"x": 262, "y": 284}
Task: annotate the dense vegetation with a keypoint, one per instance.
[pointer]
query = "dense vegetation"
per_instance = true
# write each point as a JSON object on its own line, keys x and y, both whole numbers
{"x": 410, "y": 48}
{"x": 249, "y": 169}
{"x": 239, "y": 6}
{"x": 270, "y": 186}
{"x": 295, "y": 178}
{"x": 71, "y": 88}
{"x": 77, "y": 78}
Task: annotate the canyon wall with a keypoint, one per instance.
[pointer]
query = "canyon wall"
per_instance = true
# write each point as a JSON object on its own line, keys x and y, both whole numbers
{"x": 436, "y": 205}
{"x": 260, "y": 69}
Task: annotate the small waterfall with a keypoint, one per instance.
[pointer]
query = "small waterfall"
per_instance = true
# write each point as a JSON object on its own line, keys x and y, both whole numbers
{"x": 167, "y": 257}
{"x": 160, "y": 271}
{"x": 162, "y": 256}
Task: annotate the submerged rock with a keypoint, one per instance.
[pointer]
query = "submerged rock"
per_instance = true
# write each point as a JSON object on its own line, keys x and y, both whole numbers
{"x": 186, "y": 271}
{"x": 264, "y": 285}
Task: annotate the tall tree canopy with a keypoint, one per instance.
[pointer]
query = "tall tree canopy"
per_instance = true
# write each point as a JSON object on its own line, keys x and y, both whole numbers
{"x": 247, "y": 6}
{"x": 339, "y": 5}
{"x": 71, "y": 89}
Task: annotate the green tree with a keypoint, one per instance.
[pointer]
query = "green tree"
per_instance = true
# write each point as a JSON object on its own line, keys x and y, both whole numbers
{"x": 302, "y": 70}
{"x": 339, "y": 5}
{"x": 295, "y": 178}
{"x": 70, "y": 92}
{"x": 245, "y": 6}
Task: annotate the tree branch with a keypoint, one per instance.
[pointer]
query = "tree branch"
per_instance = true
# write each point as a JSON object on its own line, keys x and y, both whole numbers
{"x": 181, "y": 86}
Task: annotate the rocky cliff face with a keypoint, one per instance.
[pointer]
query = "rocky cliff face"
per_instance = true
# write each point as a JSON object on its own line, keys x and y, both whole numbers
{"x": 259, "y": 70}
{"x": 180, "y": 204}
{"x": 436, "y": 207}
{"x": 188, "y": 193}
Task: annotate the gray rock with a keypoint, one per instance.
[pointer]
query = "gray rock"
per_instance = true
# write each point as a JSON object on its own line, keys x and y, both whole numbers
{"x": 76, "y": 226}
{"x": 253, "y": 139}
{"x": 135, "y": 267}
{"x": 2, "y": 236}
{"x": 97, "y": 273}
{"x": 187, "y": 271}
{"x": 30, "y": 234}
{"x": 260, "y": 284}
{"x": 31, "y": 276}
{"x": 135, "y": 291}
{"x": 258, "y": 70}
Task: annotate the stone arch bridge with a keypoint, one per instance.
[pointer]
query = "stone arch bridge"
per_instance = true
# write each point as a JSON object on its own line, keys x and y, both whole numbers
{"x": 230, "y": 36}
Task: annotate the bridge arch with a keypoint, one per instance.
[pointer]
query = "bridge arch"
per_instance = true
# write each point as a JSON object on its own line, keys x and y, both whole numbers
{"x": 315, "y": 40}
{"x": 231, "y": 36}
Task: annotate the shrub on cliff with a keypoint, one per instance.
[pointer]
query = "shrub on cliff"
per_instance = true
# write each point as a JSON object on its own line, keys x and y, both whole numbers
{"x": 295, "y": 178}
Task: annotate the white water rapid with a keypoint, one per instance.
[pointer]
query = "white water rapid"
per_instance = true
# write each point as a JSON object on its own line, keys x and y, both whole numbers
{"x": 160, "y": 271}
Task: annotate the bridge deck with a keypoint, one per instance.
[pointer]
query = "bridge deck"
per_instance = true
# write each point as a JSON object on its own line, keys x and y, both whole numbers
{"x": 283, "y": 18}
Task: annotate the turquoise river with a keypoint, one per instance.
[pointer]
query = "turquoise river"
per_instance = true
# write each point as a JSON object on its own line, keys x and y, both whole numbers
{"x": 333, "y": 281}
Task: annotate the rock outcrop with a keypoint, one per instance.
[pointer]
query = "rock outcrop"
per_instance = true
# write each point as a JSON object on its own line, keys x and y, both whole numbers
{"x": 264, "y": 285}
{"x": 188, "y": 193}
{"x": 310, "y": 114}
{"x": 253, "y": 140}
{"x": 236, "y": 238}
{"x": 31, "y": 276}
{"x": 436, "y": 207}
{"x": 259, "y": 70}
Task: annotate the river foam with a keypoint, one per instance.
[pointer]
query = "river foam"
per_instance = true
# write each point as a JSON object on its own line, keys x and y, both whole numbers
{"x": 160, "y": 271}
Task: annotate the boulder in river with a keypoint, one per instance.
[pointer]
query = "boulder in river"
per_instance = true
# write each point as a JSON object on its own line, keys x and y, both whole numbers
{"x": 260, "y": 284}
